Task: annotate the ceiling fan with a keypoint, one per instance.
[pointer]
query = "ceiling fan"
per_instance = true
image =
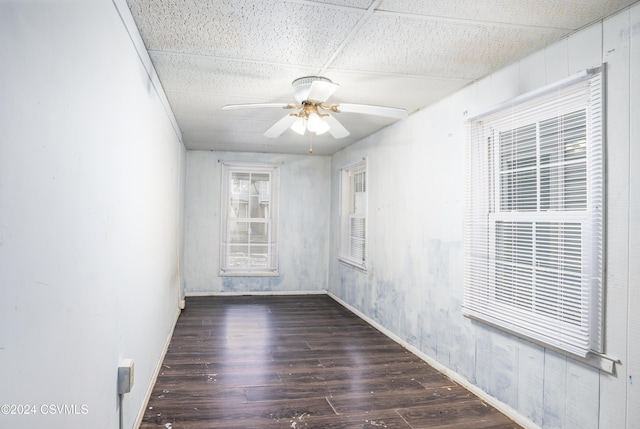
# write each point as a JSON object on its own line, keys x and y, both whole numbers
{"x": 310, "y": 112}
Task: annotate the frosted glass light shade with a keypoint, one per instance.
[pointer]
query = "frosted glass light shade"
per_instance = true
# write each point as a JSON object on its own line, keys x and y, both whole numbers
{"x": 299, "y": 126}
{"x": 313, "y": 122}
{"x": 322, "y": 127}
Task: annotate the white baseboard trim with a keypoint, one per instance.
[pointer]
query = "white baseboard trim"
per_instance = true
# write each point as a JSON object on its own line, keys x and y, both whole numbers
{"x": 258, "y": 293}
{"x": 499, "y": 405}
{"x": 156, "y": 372}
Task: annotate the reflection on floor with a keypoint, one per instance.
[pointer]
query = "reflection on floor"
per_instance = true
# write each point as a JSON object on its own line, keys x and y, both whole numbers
{"x": 299, "y": 362}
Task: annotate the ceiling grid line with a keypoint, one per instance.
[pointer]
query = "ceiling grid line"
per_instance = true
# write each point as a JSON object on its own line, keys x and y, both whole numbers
{"x": 474, "y": 22}
{"x": 372, "y": 7}
{"x": 324, "y": 5}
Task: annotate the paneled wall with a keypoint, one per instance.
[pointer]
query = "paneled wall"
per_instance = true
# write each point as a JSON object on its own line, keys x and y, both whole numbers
{"x": 91, "y": 176}
{"x": 303, "y": 224}
{"x": 413, "y": 286}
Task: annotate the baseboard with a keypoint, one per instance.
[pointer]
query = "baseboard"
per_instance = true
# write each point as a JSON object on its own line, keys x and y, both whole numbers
{"x": 156, "y": 372}
{"x": 499, "y": 405}
{"x": 258, "y": 293}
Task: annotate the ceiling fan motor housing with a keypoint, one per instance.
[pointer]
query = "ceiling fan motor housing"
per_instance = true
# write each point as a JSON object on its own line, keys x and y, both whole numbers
{"x": 302, "y": 85}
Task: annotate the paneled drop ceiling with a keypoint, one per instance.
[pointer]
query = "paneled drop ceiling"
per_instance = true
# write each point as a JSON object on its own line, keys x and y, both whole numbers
{"x": 398, "y": 53}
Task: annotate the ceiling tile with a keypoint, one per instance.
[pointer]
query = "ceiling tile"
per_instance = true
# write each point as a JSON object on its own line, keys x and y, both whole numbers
{"x": 416, "y": 46}
{"x": 561, "y": 14}
{"x": 179, "y": 72}
{"x": 257, "y": 30}
{"x": 360, "y": 4}
{"x": 405, "y": 91}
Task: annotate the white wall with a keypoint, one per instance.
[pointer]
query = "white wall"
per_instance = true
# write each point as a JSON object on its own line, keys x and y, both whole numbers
{"x": 303, "y": 224}
{"x": 414, "y": 285}
{"x": 90, "y": 188}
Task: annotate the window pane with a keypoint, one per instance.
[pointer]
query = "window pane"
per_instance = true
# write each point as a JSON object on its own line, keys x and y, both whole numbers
{"x": 518, "y": 191}
{"x": 238, "y": 208}
{"x": 259, "y": 232}
{"x": 518, "y": 148}
{"x": 238, "y": 232}
{"x": 559, "y": 246}
{"x": 357, "y": 235}
{"x": 518, "y": 187}
{"x": 563, "y": 173}
{"x": 514, "y": 263}
{"x": 259, "y": 256}
{"x": 558, "y": 296}
{"x": 358, "y": 203}
{"x": 259, "y": 195}
{"x": 559, "y": 271}
{"x": 238, "y": 256}
{"x": 564, "y": 138}
{"x": 563, "y": 187}
{"x": 240, "y": 185}
{"x": 359, "y": 182}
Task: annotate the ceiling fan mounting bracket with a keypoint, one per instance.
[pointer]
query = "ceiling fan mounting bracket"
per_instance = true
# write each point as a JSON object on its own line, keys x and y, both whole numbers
{"x": 302, "y": 86}
{"x": 308, "y": 80}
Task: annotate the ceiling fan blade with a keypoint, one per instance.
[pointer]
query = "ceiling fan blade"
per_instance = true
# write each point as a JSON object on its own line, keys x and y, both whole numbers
{"x": 280, "y": 126}
{"x": 337, "y": 130}
{"x": 255, "y": 106}
{"x": 367, "y": 109}
{"x": 321, "y": 90}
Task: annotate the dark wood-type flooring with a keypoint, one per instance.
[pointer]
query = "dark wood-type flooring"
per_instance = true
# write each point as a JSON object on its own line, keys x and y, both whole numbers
{"x": 299, "y": 362}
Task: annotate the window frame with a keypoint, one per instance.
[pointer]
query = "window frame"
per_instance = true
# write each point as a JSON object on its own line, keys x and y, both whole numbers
{"x": 270, "y": 220}
{"x": 347, "y": 253}
{"x": 485, "y": 210}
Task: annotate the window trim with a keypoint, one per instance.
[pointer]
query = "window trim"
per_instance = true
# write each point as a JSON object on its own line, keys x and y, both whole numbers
{"x": 228, "y": 168}
{"x": 344, "y": 212}
{"x": 593, "y": 287}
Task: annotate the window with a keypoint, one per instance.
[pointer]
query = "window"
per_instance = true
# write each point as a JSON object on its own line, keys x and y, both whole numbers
{"x": 353, "y": 214}
{"x": 533, "y": 228}
{"x": 249, "y": 220}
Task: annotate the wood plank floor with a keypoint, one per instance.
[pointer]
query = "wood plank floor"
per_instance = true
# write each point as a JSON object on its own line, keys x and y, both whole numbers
{"x": 299, "y": 362}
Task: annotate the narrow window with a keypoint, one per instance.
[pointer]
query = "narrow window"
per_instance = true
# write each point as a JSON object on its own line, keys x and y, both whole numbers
{"x": 353, "y": 214}
{"x": 249, "y": 206}
{"x": 533, "y": 232}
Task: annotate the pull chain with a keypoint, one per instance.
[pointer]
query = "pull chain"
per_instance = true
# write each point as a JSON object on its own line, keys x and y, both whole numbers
{"x": 310, "y": 142}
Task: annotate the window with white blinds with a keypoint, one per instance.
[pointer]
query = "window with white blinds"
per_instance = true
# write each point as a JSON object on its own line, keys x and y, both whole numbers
{"x": 353, "y": 214}
{"x": 248, "y": 244}
{"x": 534, "y": 216}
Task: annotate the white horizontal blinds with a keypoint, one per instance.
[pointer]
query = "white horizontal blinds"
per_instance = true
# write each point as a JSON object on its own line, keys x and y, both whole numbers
{"x": 594, "y": 262}
{"x": 249, "y": 235}
{"x": 357, "y": 213}
{"x": 534, "y": 218}
{"x": 478, "y": 277}
{"x": 354, "y": 180}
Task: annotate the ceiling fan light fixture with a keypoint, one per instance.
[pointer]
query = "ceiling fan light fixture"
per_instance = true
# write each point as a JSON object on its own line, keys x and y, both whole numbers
{"x": 314, "y": 122}
{"x": 322, "y": 127}
{"x": 299, "y": 126}
{"x": 311, "y": 94}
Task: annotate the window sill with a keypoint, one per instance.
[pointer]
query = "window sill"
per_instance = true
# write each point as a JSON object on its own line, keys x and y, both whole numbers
{"x": 601, "y": 361}
{"x": 351, "y": 264}
{"x": 248, "y": 274}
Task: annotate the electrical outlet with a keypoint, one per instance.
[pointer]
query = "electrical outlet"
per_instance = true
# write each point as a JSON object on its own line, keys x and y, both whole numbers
{"x": 125, "y": 376}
